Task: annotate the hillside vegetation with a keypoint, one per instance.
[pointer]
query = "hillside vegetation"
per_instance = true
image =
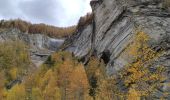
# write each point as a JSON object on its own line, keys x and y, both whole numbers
{"x": 14, "y": 64}
{"x": 166, "y": 3}
{"x": 85, "y": 20}
{"x": 52, "y": 31}
{"x": 63, "y": 77}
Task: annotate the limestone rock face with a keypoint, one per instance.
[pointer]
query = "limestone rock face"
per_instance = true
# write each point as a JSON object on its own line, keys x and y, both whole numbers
{"x": 114, "y": 24}
{"x": 40, "y": 46}
{"x": 81, "y": 42}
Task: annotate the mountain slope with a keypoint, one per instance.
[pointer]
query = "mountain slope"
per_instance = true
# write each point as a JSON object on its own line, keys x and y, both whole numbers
{"x": 40, "y": 46}
{"x": 49, "y": 30}
{"x": 111, "y": 32}
{"x": 114, "y": 25}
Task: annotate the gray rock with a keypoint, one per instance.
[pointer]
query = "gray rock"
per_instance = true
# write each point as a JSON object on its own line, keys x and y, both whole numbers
{"x": 115, "y": 23}
{"x": 40, "y": 46}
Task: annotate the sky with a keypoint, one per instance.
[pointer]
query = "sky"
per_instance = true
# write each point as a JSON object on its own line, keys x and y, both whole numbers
{"x": 53, "y": 12}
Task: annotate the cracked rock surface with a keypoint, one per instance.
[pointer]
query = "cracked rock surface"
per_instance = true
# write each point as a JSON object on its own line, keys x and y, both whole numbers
{"x": 40, "y": 46}
{"x": 114, "y": 24}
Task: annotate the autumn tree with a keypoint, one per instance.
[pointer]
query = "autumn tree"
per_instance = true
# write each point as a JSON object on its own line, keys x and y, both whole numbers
{"x": 96, "y": 73}
{"x": 61, "y": 77}
{"x": 166, "y": 4}
{"x": 140, "y": 78}
{"x": 65, "y": 79}
{"x": 14, "y": 60}
{"x": 16, "y": 93}
{"x": 49, "y": 30}
{"x": 79, "y": 83}
{"x": 85, "y": 20}
{"x": 2, "y": 83}
{"x": 71, "y": 76}
{"x": 50, "y": 87}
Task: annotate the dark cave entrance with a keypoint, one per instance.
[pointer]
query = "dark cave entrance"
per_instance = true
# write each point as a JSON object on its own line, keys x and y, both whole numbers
{"x": 106, "y": 56}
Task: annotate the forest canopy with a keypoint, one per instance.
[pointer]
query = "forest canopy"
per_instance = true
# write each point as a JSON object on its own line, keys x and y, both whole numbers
{"x": 52, "y": 31}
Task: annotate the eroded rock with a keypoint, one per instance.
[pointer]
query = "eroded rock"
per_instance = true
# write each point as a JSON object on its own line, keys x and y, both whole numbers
{"x": 116, "y": 21}
{"x": 40, "y": 46}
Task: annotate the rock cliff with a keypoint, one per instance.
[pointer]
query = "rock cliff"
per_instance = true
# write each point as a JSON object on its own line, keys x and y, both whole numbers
{"x": 40, "y": 46}
{"x": 114, "y": 24}
{"x": 112, "y": 28}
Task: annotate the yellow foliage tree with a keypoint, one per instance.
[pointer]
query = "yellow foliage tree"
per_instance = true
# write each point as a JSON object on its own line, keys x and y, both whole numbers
{"x": 79, "y": 83}
{"x": 133, "y": 94}
{"x": 51, "y": 31}
{"x": 2, "y": 81}
{"x": 14, "y": 60}
{"x": 16, "y": 93}
{"x": 36, "y": 94}
{"x": 64, "y": 78}
{"x": 138, "y": 73}
{"x": 51, "y": 87}
{"x": 64, "y": 73}
{"x": 95, "y": 70}
{"x": 13, "y": 73}
{"x": 140, "y": 78}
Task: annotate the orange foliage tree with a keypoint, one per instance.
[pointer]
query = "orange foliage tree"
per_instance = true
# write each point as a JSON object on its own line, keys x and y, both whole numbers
{"x": 79, "y": 83}
{"x": 85, "y": 20}
{"x": 95, "y": 70}
{"x": 64, "y": 79}
{"x": 140, "y": 78}
{"x": 72, "y": 78}
{"x": 49, "y": 30}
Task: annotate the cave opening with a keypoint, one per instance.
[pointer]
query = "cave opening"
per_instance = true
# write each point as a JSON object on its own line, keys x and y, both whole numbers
{"x": 106, "y": 56}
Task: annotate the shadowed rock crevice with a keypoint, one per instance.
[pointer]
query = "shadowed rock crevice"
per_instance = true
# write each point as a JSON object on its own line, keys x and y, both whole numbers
{"x": 106, "y": 56}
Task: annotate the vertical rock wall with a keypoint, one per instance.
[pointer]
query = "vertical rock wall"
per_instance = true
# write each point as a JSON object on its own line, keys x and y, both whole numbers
{"x": 115, "y": 23}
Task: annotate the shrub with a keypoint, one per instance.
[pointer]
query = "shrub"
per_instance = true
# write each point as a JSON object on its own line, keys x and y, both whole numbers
{"x": 85, "y": 20}
{"x": 166, "y": 3}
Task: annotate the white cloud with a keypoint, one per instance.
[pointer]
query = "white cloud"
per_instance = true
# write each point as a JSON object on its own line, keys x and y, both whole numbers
{"x": 54, "y": 12}
{"x": 74, "y": 9}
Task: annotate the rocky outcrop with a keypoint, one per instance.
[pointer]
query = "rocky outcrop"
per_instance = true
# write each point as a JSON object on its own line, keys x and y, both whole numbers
{"x": 107, "y": 36}
{"x": 40, "y": 46}
{"x": 112, "y": 28}
{"x": 114, "y": 24}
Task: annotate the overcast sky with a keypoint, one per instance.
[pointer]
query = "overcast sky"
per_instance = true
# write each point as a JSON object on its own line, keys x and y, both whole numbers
{"x": 53, "y": 12}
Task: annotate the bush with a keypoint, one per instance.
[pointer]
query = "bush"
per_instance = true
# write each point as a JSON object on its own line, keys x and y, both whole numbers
{"x": 85, "y": 20}
{"x": 166, "y": 3}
